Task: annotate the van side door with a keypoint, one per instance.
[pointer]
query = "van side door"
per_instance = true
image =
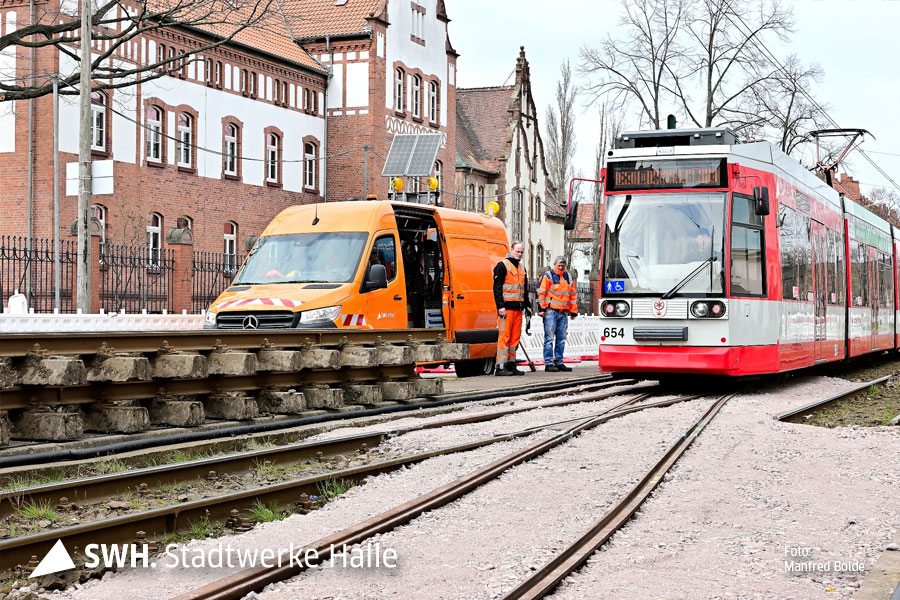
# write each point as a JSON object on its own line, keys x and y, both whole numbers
{"x": 474, "y": 315}
{"x": 386, "y": 307}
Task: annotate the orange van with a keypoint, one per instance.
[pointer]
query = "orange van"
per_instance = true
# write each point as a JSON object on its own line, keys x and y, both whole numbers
{"x": 372, "y": 265}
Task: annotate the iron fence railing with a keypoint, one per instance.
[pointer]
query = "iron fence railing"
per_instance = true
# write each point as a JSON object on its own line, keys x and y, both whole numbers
{"x": 136, "y": 278}
{"x": 213, "y": 272}
{"x": 29, "y": 269}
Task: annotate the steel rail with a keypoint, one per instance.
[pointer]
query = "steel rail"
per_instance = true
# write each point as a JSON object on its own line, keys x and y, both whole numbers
{"x": 92, "y": 489}
{"x": 204, "y": 340}
{"x": 159, "y": 521}
{"x": 820, "y": 404}
{"x": 255, "y": 579}
{"x": 572, "y": 557}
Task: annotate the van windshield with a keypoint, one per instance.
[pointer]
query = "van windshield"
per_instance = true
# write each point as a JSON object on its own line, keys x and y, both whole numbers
{"x": 304, "y": 258}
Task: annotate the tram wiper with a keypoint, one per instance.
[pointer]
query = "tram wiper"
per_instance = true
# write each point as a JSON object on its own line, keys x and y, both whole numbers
{"x": 708, "y": 262}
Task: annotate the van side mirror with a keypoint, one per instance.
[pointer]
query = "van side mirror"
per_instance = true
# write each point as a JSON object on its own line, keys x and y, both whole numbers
{"x": 761, "y": 200}
{"x": 376, "y": 279}
{"x": 571, "y": 216}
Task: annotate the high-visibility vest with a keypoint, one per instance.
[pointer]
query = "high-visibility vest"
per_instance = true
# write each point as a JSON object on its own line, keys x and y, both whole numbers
{"x": 514, "y": 284}
{"x": 557, "y": 292}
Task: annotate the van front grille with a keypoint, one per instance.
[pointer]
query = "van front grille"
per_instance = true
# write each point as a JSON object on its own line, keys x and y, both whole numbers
{"x": 263, "y": 319}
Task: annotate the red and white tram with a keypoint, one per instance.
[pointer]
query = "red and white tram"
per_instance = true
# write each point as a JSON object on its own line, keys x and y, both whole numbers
{"x": 730, "y": 258}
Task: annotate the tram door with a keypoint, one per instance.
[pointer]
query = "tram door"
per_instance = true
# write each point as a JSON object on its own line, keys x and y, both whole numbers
{"x": 820, "y": 259}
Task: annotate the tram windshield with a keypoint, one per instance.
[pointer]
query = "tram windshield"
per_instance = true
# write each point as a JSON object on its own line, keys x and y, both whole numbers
{"x": 654, "y": 242}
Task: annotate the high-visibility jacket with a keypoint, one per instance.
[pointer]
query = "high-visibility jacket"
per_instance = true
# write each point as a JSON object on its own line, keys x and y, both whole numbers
{"x": 557, "y": 292}
{"x": 509, "y": 284}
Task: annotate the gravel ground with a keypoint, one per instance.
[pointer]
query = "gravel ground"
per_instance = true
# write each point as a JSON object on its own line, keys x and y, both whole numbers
{"x": 749, "y": 490}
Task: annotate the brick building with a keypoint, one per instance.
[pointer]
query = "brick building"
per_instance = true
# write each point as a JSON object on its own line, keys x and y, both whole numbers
{"x": 500, "y": 157}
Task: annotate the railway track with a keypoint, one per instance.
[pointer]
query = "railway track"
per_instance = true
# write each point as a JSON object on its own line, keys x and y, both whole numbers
{"x": 55, "y": 387}
{"x": 254, "y": 579}
{"x": 166, "y": 520}
{"x": 796, "y": 415}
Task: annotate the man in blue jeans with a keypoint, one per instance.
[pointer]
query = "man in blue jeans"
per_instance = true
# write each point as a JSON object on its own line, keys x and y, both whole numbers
{"x": 557, "y": 302}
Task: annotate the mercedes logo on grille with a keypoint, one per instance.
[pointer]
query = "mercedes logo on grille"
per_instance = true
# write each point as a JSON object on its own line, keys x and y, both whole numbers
{"x": 250, "y": 322}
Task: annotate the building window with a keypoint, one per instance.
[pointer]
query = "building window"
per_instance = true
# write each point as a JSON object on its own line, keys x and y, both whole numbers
{"x": 231, "y": 149}
{"x": 398, "y": 90}
{"x": 470, "y": 198}
{"x": 154, "y": 239}
{"x": 98, "y": 121}
{"x": 185, "y": 222}
{"x": 209, "y": 71}
{"x": 253, "y": 85}
{"x": 481, "y": 198}
{"x": 154, "y": 134}
{"x": 273, "y": 149}
{"x": 417, "y": 97}
{"x": 537, "y": 208}
{"x": 244, "y": 81}
{"x": 309, "y": 165}
{"x": 433, "y": 102}
{"x": 217, "y": 79}
{"x": 284, "y": 93}
{"x": 98, "y": 211}
{"x": 185, "y": 136}
{"x": 230, "y": 247}
{"x": 540, "y": 256}
{"x": 305, "y": 105}
{"x": 517, "y": 215}
{"x": 276, "y": 92}
{"x": 161, "y": 55}
{"x": 414, "y": 185}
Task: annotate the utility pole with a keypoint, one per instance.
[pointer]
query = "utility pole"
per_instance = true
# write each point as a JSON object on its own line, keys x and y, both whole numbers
{"x": 83, "y": 272}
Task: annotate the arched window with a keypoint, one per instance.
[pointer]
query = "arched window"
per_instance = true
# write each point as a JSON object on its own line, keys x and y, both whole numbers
{"x": 98, "y": 121}
{"x": 433, "y": 101}
{"x": 273, "y": 149}
{"x": 417, "y": 96}
{"x": 276, "y": 92}
{"x": 184, "y": 151}
{"x": 517, "y": 198}
{"x": 253, "y": 85}
{"x": 540, "y": 256}
{"x": 244, "y": 81}
{"x": 398, "y": 89}
{"x": 230, "y": 247}
{"x": 470, "y": 197}
{"x": 537, "y": 208}
{"x": 309, "y": 165}
{"x": 154, "y": 134}
{"x": 284, "y": 93}
{"x": 154, "y": 239}
{"x": 230, "y": 153}
{"x": 218, "y": 75}
{"x": 185, "y": 222}
{"x": 98, "y": 211}
{"x": 481, "y": 198}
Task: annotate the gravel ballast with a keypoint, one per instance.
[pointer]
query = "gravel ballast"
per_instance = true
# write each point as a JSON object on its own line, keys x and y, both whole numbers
{"x": 747, "y": 496}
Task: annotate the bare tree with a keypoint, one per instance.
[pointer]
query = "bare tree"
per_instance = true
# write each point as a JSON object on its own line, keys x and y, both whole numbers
{"x": 561, "y": 139}
{"x": 725, "y": 61}
{"x": 56, "y": 28}
{"x": 636, "y": 71}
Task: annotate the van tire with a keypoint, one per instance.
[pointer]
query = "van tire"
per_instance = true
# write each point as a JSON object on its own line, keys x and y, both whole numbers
{"x": 473, "y": 368}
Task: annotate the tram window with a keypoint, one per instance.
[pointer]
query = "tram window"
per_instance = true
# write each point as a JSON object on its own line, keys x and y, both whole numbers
{"x": 835, "y": 274}
{"x": 859, "y": 274}
{"x": 747, "y": 249}
{"x": 804, "y": 256}
{"x": 885, "y": 282}
{"x": 787, "y": 238}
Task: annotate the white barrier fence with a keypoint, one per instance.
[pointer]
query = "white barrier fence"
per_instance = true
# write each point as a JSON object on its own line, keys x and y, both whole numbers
{"x": 582, "y": 338}
{"x": 68, "y": 323}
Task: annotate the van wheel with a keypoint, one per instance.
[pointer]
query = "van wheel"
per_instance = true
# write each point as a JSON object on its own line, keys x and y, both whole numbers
{"x": 473, "y": 368}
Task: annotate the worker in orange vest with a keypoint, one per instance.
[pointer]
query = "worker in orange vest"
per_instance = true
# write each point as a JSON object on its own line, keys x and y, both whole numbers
{"x": 511, "y": 298}
{"x": 557, "y": 302}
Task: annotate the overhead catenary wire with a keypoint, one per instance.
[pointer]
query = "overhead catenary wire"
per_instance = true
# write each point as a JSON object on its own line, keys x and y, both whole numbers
{"x": 771, "y": 57}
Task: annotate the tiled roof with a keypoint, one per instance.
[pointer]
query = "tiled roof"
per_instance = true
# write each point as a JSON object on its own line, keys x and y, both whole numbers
{"x": 483, "y": 126}
{"x": 318, "y": 18}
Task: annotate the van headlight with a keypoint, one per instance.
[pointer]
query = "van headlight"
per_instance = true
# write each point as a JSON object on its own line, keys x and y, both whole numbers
{"x": 329, "y": 313}
{"x": 209, "y": 318}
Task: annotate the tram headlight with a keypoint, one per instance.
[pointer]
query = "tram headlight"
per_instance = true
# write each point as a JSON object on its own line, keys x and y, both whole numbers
{"x": 615, "y": 308}
{"x": 700, "y": 309}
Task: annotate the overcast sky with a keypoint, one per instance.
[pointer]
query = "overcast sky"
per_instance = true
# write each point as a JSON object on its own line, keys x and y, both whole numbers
{"x": 855, "y": 42}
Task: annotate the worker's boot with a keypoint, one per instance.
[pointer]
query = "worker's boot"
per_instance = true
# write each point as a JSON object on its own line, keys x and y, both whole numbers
{"x": 502, "y": 371}
{"x": 511, "y": 367}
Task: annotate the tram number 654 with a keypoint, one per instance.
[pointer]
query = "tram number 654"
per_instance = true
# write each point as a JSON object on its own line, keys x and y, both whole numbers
{"x": 612, "y": 332}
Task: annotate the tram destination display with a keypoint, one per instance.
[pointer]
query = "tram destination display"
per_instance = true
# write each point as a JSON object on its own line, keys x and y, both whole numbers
{"x": 667, "y": 174}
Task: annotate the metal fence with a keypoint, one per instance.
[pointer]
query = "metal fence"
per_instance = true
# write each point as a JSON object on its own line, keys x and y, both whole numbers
{"x": 585, "y": 300}
{"x": 213, "y": 272}
{"x": 29, "y": 269}
{"x": 136, "y": 278}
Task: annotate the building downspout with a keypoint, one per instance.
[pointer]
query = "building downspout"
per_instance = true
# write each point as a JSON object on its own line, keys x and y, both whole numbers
{"x": 324, "y": 170}
{"x": 30, "y": 192}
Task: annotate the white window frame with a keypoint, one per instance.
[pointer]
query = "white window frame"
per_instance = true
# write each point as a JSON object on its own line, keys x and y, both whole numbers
{"x": 230, "y": 149}
{"x": 183, "y": 151}
{"x": 272, "y": 157}
{"x": 517, "y": 200}
{"x": 98, "y": 122}
{"x": 417, "y": 96}
{"x": 433, "y": 101}
{"x": 399, "y": 76}
{"x": 309, "y": 165}
{"x": 154, "y": 239}
{"x": 230, "y": 253}
{"x": 154, "y": 134}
